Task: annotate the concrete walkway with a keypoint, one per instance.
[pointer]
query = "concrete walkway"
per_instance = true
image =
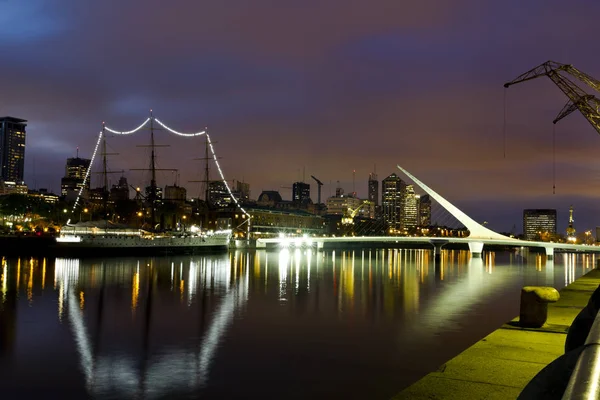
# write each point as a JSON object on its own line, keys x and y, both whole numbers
{"x": 501, "y": 364}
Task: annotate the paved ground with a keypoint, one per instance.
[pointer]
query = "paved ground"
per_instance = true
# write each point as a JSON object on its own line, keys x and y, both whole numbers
{"x": 501, "y": 364}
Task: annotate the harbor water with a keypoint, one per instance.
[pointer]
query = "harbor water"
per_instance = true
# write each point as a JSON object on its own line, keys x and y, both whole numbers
{"x": 291, "y": 323}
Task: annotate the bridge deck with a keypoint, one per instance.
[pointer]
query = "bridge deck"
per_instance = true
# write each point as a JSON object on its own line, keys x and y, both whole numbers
{"x": 500, "y": 365}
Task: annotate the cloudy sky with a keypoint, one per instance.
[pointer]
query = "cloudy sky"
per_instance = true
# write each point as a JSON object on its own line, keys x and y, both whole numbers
{"x": 311, "y": 87}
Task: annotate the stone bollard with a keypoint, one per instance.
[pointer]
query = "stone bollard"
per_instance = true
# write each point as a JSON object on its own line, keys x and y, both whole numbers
{"x": 534, "y": 305}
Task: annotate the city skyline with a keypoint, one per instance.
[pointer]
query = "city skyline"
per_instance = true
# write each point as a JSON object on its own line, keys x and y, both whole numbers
{"x": 378, "y": 84}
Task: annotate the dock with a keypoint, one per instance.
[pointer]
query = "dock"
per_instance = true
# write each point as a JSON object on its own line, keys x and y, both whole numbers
{"x": 500, "y": 365}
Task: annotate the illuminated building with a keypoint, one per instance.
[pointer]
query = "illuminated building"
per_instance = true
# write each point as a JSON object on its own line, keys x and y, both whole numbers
{"x": 301, "y": 193}
{"x": 46, "y": 196}
{"x": 7, "y": 187}
{"x": 392, "y": 202}
{"x": 12, "y": 149}
{"x": 411, "y": 208}
{"x": 73, "y": 181}
{"x": 339, "y": 205}
{"x": 425, "y": 211}
{"x": 218, "y": 195}
{"x": 538, "y": 222}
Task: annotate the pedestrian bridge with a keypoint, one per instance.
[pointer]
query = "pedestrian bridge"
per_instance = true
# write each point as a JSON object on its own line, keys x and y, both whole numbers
{"x": 479, "y": 235}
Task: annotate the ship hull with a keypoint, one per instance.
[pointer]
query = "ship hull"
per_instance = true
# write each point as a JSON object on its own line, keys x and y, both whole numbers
{"x": 114, "y": 245}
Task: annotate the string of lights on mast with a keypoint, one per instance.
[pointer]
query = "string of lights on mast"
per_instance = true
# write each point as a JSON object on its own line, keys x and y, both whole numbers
{"x": 171, "y": 130}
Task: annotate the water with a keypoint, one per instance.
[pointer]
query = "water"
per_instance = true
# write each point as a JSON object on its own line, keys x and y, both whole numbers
{"x": 289, "y": 324}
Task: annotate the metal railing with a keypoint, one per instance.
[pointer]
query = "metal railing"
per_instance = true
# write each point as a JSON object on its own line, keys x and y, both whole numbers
{"x": 585, "y": 378}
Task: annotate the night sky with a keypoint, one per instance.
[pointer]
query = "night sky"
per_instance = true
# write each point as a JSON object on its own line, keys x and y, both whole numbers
{"x": 325, "y": 87}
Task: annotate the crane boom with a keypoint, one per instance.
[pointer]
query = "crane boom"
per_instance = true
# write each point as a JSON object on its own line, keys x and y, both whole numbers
{"x": 587, "y": 104}
{"x": 319, "y": 184}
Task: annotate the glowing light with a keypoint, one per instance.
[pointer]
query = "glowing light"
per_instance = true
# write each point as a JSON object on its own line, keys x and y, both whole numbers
{"x": 128, "y": 132}
{"x": 179, "y": 133}
{"x": 87, "y": 174}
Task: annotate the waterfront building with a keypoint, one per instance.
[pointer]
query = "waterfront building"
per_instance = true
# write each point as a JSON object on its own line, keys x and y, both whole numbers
{"x": 73, "y": 182}
{"x": 175, "y": 193}
{"x": 411, "y": 208}
{"x": 425, "y": 210}
{"x": 339, "y": 205}
{"x": 46, "y": 196}
{"x": 539, "y": 223}
{"x": 12, "y": 149}
{"x": 301, "y": 193}
{"x": 392, "y": 202}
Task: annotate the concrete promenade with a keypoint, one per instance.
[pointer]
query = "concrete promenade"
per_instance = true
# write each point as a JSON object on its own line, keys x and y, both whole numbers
{"x": 501, "y": 364}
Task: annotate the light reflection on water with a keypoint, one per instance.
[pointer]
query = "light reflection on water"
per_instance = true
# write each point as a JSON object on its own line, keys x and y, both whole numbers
{"x": 353, "y": 324}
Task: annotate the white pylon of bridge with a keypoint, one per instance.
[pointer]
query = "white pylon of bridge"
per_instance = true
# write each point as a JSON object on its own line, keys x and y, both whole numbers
{"x": 476, "y": 230}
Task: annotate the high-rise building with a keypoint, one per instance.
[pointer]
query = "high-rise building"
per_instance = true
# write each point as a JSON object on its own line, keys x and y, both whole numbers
{"x": 12, "y": 149}
{"x": 218, "y": 195}
{"x": 538, "y": 222}
{"x": 411, "y": 208}
{"x": 392, "y": 201}
{"x": 425, "y": 210}
{"x": 73, "y": 181}
{"x": 301, "y": 193}
{"x": 373, "y": 195}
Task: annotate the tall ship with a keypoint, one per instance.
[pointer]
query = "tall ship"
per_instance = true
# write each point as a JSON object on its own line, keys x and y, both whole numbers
{"x": 107, "y": 237}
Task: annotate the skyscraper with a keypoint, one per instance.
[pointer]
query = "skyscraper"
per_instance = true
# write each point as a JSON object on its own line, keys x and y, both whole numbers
{"x": 75, "y": 172}
{"x": 411, "y": 208}
{"x": 425, "y": 211}
{"x": 373, "y": 195}
{"x": 538, "y": 222}
{"x": 12, "y": 149}
{"x": 392, "y": 201}
{"x": 301, "y": 193}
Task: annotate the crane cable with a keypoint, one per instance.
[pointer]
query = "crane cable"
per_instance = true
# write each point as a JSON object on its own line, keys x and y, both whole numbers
{"x": 504, "y": 124}
{"x": 553, "y": 158}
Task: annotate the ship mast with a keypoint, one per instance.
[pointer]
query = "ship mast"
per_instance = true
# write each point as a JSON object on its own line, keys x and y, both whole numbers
{"x": 206, "y": 168}
{"x": 104, "y": 173}
{"x": 153, "y": 170}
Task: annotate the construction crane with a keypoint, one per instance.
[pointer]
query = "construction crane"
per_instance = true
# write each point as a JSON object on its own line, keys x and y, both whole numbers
{"x": 351, "y": 213}
{"x": 587, "y": 104}
{"x": 319, "y": 184}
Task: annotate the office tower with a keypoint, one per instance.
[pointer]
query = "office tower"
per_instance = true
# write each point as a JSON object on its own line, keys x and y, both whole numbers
{"x": 538, "y": 222}
{"x": 73, "y": 181}
{"x": 411, "y": 208}
{"x": 12, "y": 149}
{"x": 392, "y": 202}
{"x": 218, "y": 195}
{"x": 425, "y": 211}
{"x": 373, "y": 195}
{"x": 301, "y": 193}
{"x": 120, "y": 191}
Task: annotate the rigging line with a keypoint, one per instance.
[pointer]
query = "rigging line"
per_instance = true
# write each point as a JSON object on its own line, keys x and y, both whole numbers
{"x": 179, "y": 133}
{"x": 127, "y": 132}
{"x": 87, "y": 175}
{"x": 553, "y": 158}
{"x": 212, "y": 150}
{"x": 504, "y": 125}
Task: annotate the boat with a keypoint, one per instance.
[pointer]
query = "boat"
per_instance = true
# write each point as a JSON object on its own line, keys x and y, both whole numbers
{"x": 109, "y": 238}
